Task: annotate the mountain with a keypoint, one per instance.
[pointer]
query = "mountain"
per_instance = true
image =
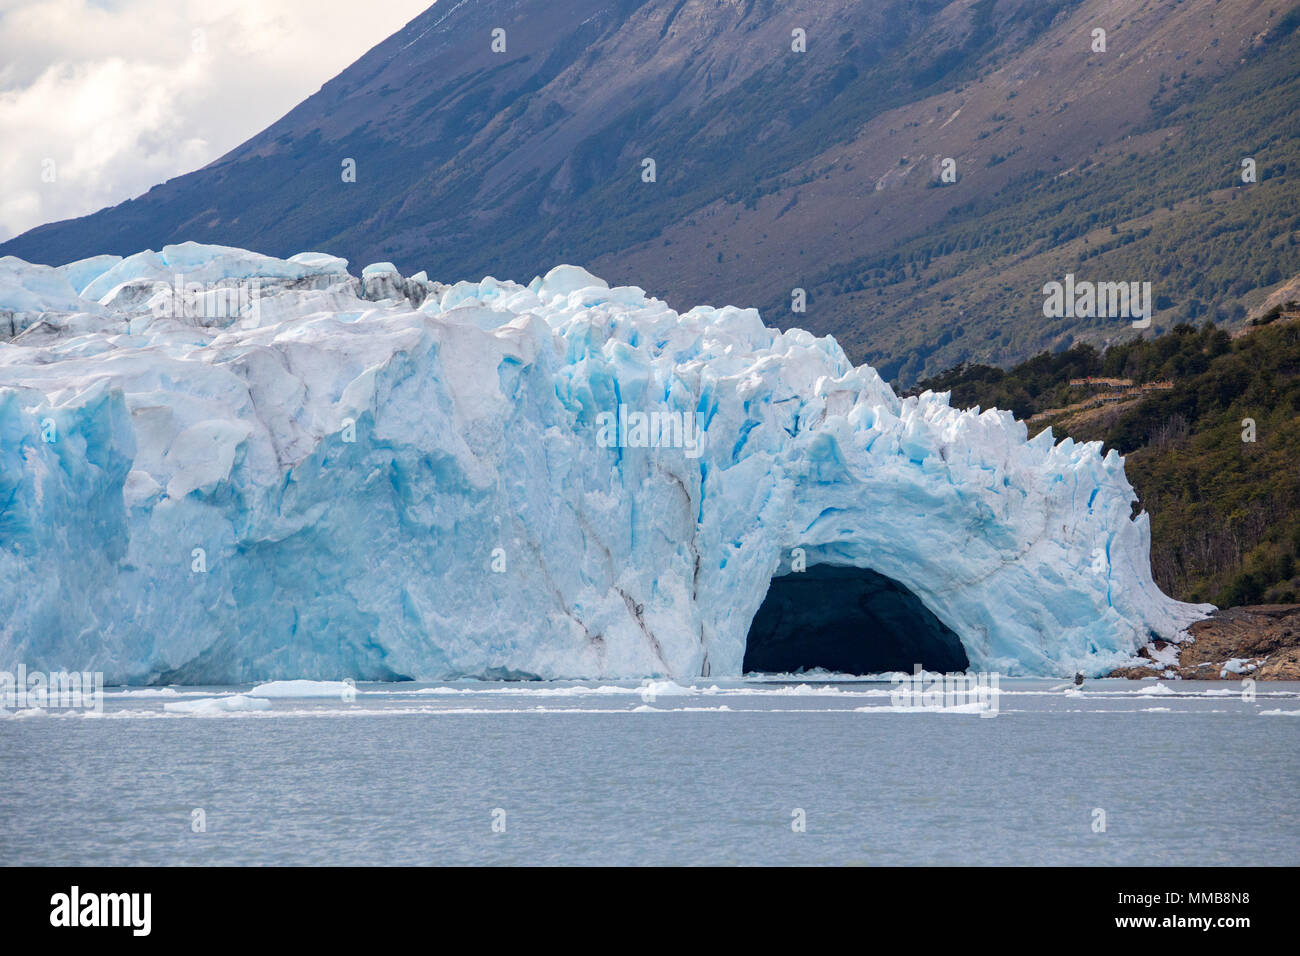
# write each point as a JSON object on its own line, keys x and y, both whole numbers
{"x": 776, "y": 169}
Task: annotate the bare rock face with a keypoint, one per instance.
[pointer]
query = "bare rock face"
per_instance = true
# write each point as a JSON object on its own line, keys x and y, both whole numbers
{"x": 1261, "y": 642}
{"x": 1285, "y": 665}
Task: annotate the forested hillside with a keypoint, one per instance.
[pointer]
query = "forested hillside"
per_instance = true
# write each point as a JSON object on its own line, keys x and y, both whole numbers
{"x": 1167, "y": 205}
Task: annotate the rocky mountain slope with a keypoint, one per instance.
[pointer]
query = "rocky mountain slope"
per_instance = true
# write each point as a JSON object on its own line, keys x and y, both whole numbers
{"x": 777, "y": 169}
{"x": 1260, "y": 643}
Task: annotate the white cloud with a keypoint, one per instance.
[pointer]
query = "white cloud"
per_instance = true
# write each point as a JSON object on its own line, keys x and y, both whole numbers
{"x": 113, "y": 97}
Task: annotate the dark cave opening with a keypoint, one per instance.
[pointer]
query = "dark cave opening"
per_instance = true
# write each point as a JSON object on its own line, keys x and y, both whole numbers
{"x": 850, "y": 620}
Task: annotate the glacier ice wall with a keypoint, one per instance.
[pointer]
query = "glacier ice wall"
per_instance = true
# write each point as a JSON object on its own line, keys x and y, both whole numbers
{"x": 384, "y": 477}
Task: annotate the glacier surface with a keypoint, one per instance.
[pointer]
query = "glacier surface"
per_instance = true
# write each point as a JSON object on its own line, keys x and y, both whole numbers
{"x": 217, "y": 466}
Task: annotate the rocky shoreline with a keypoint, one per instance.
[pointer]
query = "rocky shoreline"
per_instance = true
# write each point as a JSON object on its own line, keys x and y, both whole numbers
{"x": 1261, "y": 642}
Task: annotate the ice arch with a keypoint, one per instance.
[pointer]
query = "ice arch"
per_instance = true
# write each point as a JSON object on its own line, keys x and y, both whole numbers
{"x": 847, "y": 620}
{"x": 388, "y": 476}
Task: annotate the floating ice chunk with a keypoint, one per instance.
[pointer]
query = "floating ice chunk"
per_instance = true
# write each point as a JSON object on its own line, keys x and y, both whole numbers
{"x": 303, "y": 688}
{"x": 977, "y": 709}
{"x": 24, "y": 712}
{"x": 664, "y": 688}
{"x": 236, "y": 703}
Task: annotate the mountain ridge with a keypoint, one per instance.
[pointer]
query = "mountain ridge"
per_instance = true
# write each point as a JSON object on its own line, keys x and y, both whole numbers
{"x": 776, "y": 170}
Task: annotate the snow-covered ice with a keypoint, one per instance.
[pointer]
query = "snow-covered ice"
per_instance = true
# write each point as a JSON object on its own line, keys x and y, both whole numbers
{"x": 303, "y": 688}
{"x": 235, "y": 703}
{"x": 382, "y": 476}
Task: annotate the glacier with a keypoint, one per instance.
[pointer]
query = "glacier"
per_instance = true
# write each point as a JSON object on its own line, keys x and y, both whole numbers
{"x": 383, "y": 477}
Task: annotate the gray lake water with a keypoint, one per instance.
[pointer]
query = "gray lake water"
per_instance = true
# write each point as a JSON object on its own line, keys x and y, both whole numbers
{"x": 616, "y": 773}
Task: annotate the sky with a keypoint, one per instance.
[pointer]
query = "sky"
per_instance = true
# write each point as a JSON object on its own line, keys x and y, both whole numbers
{"x": 101, "y": 100}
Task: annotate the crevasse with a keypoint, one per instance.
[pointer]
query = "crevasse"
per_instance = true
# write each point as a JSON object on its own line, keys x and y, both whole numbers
{"x": 386, "y": 477}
